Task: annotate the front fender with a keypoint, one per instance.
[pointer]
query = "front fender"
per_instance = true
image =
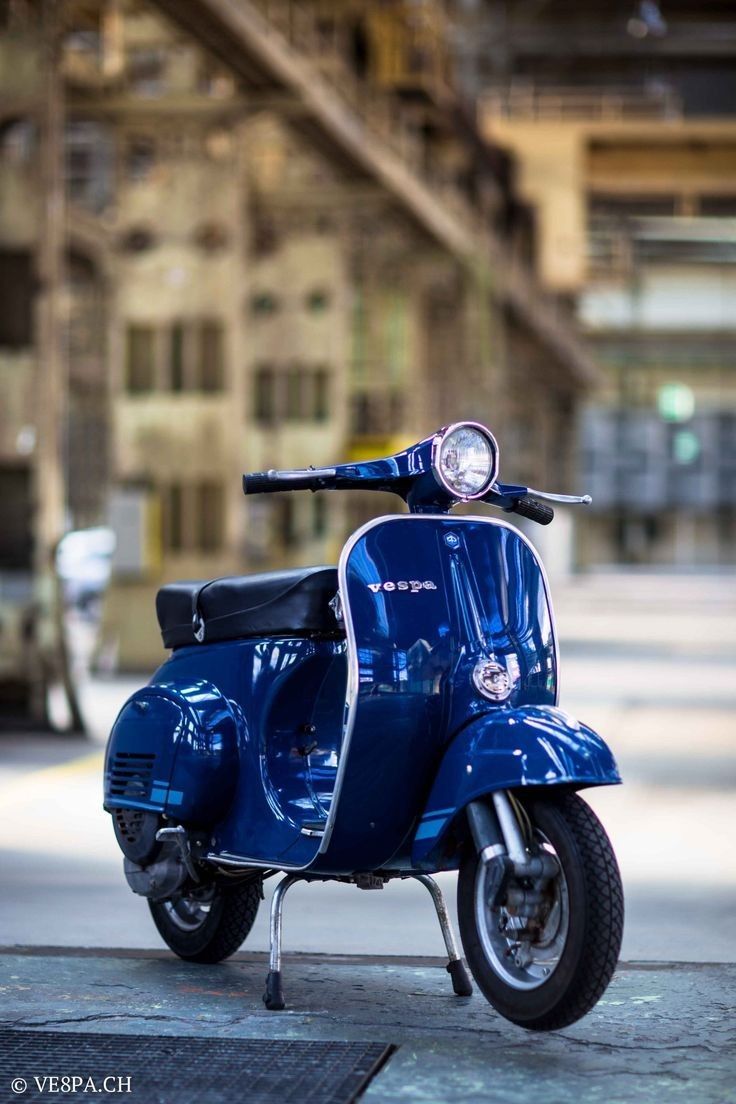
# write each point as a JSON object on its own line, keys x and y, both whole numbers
{"x": 532, "y": 746}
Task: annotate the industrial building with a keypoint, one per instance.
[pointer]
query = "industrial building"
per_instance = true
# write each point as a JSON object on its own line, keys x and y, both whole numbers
{"x": 622, "y": 118}
{"x": 236, "y": 235}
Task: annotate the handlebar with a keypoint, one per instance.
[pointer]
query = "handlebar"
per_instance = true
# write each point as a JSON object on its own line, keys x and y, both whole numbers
{"x": 405, "y": 474}
{"x": 307, "y": 479}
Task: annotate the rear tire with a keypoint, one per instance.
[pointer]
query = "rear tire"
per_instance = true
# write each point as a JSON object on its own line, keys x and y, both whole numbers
{"x": 208, "y": 924}
{"x": 579, "y": 946}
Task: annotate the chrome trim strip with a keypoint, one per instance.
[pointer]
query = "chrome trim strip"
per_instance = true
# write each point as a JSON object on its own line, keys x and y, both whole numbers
{"x": 437, "y": 473}
{"x": 239, "y": 862}
{"x": 351, "y": 692}
{"x": 351, "y": 697}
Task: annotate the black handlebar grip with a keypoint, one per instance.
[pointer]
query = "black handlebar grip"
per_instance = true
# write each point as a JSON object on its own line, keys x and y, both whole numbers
{"x": 260, "y": 483}
{"x": 308, "y": 479}
{"x": 533, "y": 509}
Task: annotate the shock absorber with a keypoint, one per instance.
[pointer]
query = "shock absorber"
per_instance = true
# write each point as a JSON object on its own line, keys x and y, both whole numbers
{"x": 491, "y": 848}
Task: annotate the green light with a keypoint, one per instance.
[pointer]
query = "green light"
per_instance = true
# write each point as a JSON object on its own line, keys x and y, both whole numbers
{"x": 675, "y": 402}
{"x": 685, "y": 447}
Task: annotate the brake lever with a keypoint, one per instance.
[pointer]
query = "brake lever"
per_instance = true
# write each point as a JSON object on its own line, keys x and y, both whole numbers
{"x": 505, "y": 494}
{"x": 572, "y": 500}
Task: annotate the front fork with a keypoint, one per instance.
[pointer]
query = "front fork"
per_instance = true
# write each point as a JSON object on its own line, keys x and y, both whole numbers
{"x": 517, "y": 878}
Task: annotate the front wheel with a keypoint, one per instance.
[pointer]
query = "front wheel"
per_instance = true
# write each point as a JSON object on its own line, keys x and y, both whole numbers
{"x": 544, "y": 960}
{"x": 208, "y": 923}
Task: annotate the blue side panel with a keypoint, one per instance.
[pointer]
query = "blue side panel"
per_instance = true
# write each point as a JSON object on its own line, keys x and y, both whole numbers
{"x": 287, "y": 695}
{"x": 532, "y": 746}
{"x": 173, "y": 749}
{"x": 427, "y": 598}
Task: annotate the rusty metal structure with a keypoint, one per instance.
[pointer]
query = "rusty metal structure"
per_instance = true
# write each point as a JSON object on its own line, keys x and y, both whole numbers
{"x": 622, "y": 120}
{"x": 236, "y": 234}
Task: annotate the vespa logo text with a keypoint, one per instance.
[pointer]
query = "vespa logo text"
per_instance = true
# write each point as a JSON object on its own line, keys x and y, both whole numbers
{"x": 412, "y": 585}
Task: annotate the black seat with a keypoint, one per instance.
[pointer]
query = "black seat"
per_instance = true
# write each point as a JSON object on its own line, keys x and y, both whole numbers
{"x": 289, "y": 603}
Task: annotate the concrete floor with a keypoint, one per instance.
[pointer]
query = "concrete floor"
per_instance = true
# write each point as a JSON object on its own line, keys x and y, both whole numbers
{"x": 660, "y": 1033}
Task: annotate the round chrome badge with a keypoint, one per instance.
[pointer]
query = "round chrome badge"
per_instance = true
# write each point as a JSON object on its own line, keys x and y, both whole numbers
{"x": 492, "y": 680}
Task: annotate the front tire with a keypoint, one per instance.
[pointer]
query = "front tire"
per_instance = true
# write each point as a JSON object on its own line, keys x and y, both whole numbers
{"x": 553, "y": 978}
{"x": 209, "y": 923}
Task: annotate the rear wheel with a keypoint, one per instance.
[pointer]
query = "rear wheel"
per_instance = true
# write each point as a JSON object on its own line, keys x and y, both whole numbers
{"x": 544, "y": 966}
{"x": 210, "y": 922}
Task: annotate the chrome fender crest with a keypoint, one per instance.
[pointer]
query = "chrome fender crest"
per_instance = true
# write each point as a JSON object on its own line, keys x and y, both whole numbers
{"x": 412, "y": 585}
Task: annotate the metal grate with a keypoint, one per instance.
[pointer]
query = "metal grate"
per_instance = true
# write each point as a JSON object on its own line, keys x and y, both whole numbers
{"x": 131, "y": 773}
{"x": 187, "y": 1069}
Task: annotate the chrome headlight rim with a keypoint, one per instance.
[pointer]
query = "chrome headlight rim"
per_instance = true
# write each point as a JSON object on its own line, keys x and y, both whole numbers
{"x": 439, "y": 441}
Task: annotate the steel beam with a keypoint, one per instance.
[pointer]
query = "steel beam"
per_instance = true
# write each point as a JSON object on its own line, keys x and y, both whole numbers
{"x": 244, "y": 40}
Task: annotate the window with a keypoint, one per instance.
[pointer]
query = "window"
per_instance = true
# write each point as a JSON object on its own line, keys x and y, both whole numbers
{"x": 193, "y": 516}
{"x": 86, "y": 41}
{"x": 263, "y": 302}
{"x": 376, "y": 412}
{"x": 320, "y": 407}
{"x": 318, "y": 301}
{"x": 139, "y": 239}
{"x": 89, "y": 160}
{"x": 16, "y": 532}
{"x": 177, "y": 380}
{"x": 210, "y": 516}
{"x": 16, "y": 300}
{"x": 718, "y": 206}
{"x": 140, "y": 157}
{"x": 395, "y": 411}
{"x": 173, "y": 518}
{"x": 361, "y": 414}
{"x": 183, "y": 356}
{"x": 286, "y": 521}
{"x": 211, "y": 237}
{"x": 147, "y": 70}
{"x": 319, "y": 516}
{"x": 17, "y": 141}
{"x": 140, "y": 359}
{"x": 215, "y": 82}
{"x": 360, "y": 336}
{"x": 265, "y": 396}
{"x": 210, "y": 356}
{"x": 295, "y": 394}
{"x": 625, "y": 207}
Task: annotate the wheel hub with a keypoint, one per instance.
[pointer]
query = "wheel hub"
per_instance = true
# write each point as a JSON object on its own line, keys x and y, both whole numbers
{"x": 523, "y": 938}
{"x": 190, "y": 911}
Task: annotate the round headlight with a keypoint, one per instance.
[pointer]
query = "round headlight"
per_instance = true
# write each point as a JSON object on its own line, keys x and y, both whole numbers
{"x": 466, "y": 460}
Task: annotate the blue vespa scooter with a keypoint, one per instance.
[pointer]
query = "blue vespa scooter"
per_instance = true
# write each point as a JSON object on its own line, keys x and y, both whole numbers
{"x": 389, "y": 718}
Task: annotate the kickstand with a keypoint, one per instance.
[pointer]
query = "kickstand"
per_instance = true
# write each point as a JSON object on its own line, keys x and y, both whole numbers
{"x": 273, "y": 998}
{"x": 461, "y": 985}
